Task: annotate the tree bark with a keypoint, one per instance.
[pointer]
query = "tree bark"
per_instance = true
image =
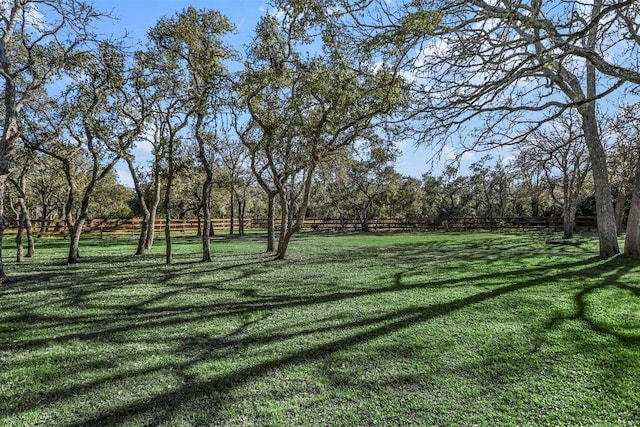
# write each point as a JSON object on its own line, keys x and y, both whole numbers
{"x": 144, "y": 227}
{"x": 619, "y": 208}
{"x": 632, "y": 237}
{"x": 231, "y": 212}
{"x": 206, "y": 210}
{"x": 271, "y": 221}
{"x": 607, "y": 230}
{"x": 283, "y": 244}
{"x": 167, "y": 210}
{"x": 242, "y": 204}
{"x": 153, "y": 209}
{"x": 569, "y": 221}
{"x": 19, "y": 247}
{"x": 75, "y": 231}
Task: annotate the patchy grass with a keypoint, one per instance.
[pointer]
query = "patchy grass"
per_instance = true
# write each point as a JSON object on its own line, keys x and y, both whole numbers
{"x": 400, "y": 329}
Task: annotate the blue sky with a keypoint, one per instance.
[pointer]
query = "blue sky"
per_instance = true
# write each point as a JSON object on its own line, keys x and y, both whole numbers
{"x": 135, "y": 17}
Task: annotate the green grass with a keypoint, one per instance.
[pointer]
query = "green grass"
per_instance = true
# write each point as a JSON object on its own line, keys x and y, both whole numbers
{"x": 400, "y": 329}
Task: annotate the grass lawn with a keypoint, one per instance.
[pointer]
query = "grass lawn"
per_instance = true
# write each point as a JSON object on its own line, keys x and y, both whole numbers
{"x": 400, "y": 329}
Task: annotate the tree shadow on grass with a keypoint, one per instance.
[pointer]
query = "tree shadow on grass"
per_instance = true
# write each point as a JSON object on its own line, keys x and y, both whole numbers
{"x": 144, "y": 314}
{"x": 161, "y": 407}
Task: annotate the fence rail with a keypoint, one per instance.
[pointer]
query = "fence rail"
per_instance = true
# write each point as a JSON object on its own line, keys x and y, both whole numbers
{"x": 132, "y": 226}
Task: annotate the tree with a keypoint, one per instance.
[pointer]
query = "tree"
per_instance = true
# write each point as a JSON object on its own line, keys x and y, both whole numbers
{"x": 628, "y": 131}
{"x": 448, "y": 196}
{"x": 491, "y": 186}
{"x": 234, "y": 161}
{"x": 304, "y": 109}
{"x": 497, "y": 67}
{"x": 83, "y": 130}
{"x": 560, "y": 149}
{"x": 25, "y": 160}
{"x": 193, "y": 42}
{"x": 38, "y": 38}
{"x": 369, "y": 182}
{"x": 171, "y": 110}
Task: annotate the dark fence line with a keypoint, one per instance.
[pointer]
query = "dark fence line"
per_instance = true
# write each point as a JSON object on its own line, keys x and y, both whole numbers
{"x": 457, "y": 224}
{"x": 192, "y": 225}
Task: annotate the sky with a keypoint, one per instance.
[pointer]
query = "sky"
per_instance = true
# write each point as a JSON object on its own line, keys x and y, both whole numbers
{"x": 135, "y": 17}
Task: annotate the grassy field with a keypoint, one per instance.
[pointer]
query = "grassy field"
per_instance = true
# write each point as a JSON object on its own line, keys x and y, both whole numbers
{"x": 401, "y": 329}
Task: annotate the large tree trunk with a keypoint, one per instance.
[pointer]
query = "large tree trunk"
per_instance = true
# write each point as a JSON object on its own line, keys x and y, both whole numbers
{"x": 606, "y": 217}
{"x": 24, "y": 222}
{"x": 632, "y": 237}
{"x": 75, "y": 231}
{"x": 283, "y": 245}
{"x": 568, "y": 221}
{"x": 607, "y": 230}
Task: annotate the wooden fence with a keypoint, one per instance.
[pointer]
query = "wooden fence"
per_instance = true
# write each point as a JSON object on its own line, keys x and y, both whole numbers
{"x": 132, "y": 226}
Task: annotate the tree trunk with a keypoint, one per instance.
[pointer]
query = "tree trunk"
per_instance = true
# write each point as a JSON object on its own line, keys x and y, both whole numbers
{"x": 144, "y": 227}
{"x": 284, "y": 226}
{"x": 74, "y": 235}
{"x": 167, "y": 237}
{"x": 206, "y": 209}
{"x": 153, "y": 210}
{"x": 28, "y": 226}
{"x": 271, "y": 222}
{"x": 619, "y": 209}
{"x": 568, "y": 221}
{"x": 632, "y": 237}
{"x": 19, "y": 247}
{"x": 167, "y": 209}
{"x": 283, "y": 245}
{"x": 242, "y": 204}
{"x": 24, "y": 222}
{"x": 231, "y": 213}
{"x": 607, "y": 230}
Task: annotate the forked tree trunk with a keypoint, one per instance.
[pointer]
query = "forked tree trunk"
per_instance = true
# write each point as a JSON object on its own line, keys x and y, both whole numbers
{"x": 24, "y": 222}
{"x": 75, "y": 232}
{"x": 293, "y": 228}
{"x": 144, "y": 227}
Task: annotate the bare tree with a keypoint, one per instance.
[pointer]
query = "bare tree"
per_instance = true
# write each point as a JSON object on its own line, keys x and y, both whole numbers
{"x": 490, "y": 72}
{"x": 560, "y": 149}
